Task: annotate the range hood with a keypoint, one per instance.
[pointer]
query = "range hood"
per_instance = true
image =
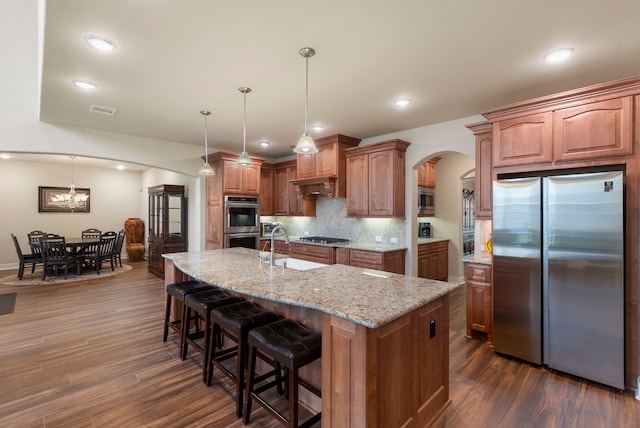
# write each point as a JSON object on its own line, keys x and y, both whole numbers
{"x": 314, "y": 186}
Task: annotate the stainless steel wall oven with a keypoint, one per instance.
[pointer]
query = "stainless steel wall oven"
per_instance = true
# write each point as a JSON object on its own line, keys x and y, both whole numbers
{"x": 241, "y": 222}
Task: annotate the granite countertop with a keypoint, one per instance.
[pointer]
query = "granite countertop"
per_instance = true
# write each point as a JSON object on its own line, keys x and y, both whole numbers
{"x": 430, "y": 240}
{"x": 483, "y": 259}
{"x": 367, "y": 297}
{"x": 378, "y": 248}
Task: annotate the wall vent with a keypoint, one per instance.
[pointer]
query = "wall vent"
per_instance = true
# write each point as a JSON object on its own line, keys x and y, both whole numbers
{"x": 102, "y": 110}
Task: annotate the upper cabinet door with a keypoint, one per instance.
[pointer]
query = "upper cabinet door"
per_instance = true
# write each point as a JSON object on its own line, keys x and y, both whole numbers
{"x": 358, "y": 188}
{"x": 522, "y": 141}
{"x": 306, "y": 165}
{"x": 593, "y": 130}
{"x": 381, "y": 183}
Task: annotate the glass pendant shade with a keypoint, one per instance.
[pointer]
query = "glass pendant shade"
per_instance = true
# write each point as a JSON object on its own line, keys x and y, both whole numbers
{"x": 305, "y": 143}
{"x": 206, "y": 168}
{"x": 244, "y": 160}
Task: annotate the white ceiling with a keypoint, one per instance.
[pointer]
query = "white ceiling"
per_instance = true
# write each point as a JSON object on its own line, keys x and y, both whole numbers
{"x": 452, "y": 58}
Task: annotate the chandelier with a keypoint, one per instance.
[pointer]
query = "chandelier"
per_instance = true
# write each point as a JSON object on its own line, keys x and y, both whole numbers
{"x": 72, "y": 199}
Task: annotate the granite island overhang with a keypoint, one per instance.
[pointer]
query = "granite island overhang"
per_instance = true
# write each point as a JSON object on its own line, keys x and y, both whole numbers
{"x": 385, "y": 357}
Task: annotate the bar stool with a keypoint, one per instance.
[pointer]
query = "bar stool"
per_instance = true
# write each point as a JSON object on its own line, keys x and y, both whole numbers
{"x": 202, "y": 303}
{"x": 179, "y": 290}
{"x": 235, "y": 321}
{"x": 293, "y": 346}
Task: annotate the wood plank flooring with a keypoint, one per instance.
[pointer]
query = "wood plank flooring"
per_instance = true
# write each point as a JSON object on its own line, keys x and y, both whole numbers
{"x": 91, "y": 355}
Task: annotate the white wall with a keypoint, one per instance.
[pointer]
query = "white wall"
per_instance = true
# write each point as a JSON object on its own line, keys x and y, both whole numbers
{"x": 115, "y": 196}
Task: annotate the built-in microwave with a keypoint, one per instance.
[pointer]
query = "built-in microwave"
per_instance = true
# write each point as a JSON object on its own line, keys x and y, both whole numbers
{"x": 426, "y": 201}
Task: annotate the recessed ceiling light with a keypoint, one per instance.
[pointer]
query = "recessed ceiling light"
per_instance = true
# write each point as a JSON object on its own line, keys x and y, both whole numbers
{"x": 402, "y": 102}
{"x": 84, "y": 84}
{"x": 264, "y": 143}
{"x": 4, "y": 155}
{"x": 559, "y": 55}
{"x": 100, "y": 43}
{"x": 317, "y": 127}
{"x": 120, "y": 166}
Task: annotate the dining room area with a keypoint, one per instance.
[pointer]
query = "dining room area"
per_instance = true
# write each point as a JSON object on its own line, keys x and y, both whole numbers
{"x": 54, "y": 255}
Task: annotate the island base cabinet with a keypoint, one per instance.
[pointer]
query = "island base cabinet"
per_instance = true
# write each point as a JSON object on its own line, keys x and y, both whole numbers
{"x": 396, "y": 375}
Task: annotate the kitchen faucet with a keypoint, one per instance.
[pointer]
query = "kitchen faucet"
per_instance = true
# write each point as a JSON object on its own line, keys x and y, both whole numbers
{"x": 272, "y": 260}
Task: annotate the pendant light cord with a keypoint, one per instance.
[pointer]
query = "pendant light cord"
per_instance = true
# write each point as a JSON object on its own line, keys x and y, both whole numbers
{"x": 72, "y": 158}
{"x": 244, "y": 125}
{"x": 306, "y": 97}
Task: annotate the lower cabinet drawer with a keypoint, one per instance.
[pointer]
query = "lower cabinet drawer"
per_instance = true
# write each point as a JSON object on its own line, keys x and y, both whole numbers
{"x": 366, "y": 259}
{"x": 313, "y": 253}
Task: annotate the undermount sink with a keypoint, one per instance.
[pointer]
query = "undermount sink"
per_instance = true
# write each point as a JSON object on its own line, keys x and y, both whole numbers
{"x": 298, "y": 264}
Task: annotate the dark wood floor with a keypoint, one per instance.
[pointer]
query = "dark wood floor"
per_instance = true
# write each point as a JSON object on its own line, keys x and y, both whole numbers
{"x": 91, "y": 355}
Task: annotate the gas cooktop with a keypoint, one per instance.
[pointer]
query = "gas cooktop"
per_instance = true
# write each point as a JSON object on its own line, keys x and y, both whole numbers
{"x": 323, "y": 240}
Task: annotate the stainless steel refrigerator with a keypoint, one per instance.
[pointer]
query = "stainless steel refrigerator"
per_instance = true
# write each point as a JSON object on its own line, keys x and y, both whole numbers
{"x": 558, "y": 273}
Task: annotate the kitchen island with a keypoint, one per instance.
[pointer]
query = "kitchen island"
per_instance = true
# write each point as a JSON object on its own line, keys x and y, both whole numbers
{"x": 385, "y": 346}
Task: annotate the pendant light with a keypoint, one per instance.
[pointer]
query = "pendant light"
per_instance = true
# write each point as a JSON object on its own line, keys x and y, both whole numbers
{"x": 244, "y": 160}
{"x": 206, "y": 168}
{"x": 305, "y": 143}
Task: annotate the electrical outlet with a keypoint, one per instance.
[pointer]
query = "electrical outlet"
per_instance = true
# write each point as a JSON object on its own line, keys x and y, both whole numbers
{"x": 394, "y": 240}
{"x": 378, "y": 238}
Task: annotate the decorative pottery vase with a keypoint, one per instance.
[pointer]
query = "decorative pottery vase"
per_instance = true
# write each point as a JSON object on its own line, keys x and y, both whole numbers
{"x": 135, "y": 230}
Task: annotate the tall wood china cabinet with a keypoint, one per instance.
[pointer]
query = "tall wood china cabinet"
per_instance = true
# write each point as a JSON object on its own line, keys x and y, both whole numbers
{"x": 167, "y": 224}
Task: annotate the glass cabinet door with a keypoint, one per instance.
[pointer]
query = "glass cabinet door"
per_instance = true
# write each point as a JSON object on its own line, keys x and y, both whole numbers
{"x": 174, "y": 216}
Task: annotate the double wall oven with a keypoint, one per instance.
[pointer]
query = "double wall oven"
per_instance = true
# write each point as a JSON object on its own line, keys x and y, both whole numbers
{"x": 241, "y": 222}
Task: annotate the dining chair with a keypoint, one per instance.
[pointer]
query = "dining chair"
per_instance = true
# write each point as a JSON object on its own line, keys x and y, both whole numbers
{"x": 34, "y": 238}
{"x": 25, "y": 259}
{"x": 117, "y": 248}
{"x": 89, "y": 253}
{"x": 105, "y": 251}
{"x": 91, "y": 233}
{"x": 56, "y": 257}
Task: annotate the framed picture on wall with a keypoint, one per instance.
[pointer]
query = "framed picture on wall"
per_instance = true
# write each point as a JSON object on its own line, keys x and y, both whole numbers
{"x": 63, "y": 200}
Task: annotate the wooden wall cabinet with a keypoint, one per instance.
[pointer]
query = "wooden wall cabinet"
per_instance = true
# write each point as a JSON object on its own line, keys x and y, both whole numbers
{"x": 433, "y": 260}
{"x": 523, "y": 140}
{"x": 427, "y": 173}
{"x": 375, "y": 177}
{"x": 266, "y": 190}
{"x": 231, "y": 179}
{"x": 388, "y": 261}
{"x": 585, "y": 131}
{"x": 167, "y": 224}
{"x": 241, "y": 180}
{"x": 593, "y": 130}
{"x": 479, "y": 299}
{"x": 484, "y": 170}
{"x": 328, "y": 162}
{"x": 286, "y": 201}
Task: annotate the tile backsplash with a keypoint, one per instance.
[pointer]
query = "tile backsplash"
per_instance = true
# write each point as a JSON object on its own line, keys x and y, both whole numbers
{"x": 331, "y": 221}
